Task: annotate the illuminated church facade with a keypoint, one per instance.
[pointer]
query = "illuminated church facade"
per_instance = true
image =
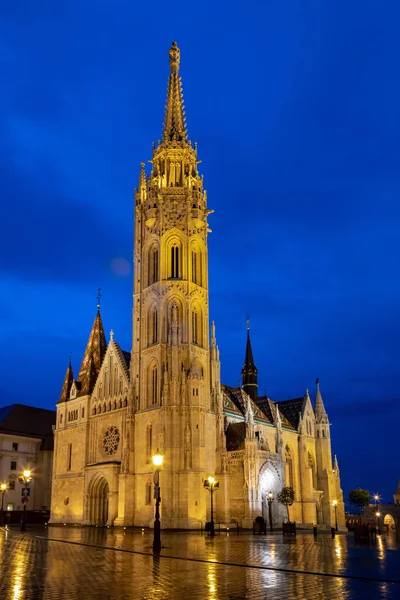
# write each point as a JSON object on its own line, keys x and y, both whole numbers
{"x": 166, "y": 394}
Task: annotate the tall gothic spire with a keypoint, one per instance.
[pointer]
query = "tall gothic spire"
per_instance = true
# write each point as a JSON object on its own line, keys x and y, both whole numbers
{"x": 320, "y": 412}
{"x": 249, "y": 371}
{"x": 175, "y": 122}
{"x": 68, "y": 381}
{"x": 94, "y": 354}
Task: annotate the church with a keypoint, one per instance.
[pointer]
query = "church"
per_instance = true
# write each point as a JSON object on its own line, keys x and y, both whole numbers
{"x": 166, "y": 393}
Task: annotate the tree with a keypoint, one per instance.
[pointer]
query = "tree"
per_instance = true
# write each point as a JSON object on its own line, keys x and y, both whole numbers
{"x": 360, "y": 498}
{"x": 286, "y": 497}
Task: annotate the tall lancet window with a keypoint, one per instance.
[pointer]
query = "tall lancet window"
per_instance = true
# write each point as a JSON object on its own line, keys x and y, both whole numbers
{"x": 153, "y": 385}
{"x": 154, "y": 332}
{"x": 175, "y": 266}
{"x": 196, "y": 267}
{"x": 149, "y": 442}
{"x": 195, "y": 326}
{"x": 289, "y": 480}
{"x": 153, "y": 265}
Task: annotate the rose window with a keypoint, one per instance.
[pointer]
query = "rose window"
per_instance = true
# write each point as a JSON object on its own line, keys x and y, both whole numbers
{"x": 111, "y": 440}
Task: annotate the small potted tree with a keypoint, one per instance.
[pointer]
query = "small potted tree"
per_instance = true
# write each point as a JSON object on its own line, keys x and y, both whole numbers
{"x": 286, "y": 497}
{"x": 360, "y": 498}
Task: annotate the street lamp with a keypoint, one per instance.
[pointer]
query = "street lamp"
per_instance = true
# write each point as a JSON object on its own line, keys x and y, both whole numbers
{"x": 270, "y": 497}
{"x": 377, "y": 513}
{"x": 211, "y": 485}
{"x": 25, "y": 479}
{"x": 334, "y": 504}
{"x": 3, "y": 488}
{"x": 157, "y": 462}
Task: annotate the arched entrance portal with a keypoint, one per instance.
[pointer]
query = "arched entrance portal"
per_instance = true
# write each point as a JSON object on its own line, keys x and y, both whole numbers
{"x": 389, "y": 524}
{"x": 270, "y": 481}
{"x": 98, "y": 502}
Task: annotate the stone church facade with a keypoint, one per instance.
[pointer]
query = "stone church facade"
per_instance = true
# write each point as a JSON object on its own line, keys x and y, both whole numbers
{"x": 166, "y": 393}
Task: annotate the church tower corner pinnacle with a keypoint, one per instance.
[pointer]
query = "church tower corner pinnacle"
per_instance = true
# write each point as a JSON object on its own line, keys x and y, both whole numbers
{"x": 68, "y": 381}
{"x": 92, "y": 359}
{"x": 249, "y": 370}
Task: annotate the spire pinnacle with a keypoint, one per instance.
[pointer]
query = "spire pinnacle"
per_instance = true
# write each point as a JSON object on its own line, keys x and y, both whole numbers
{"x": 98, "y": 300}
{"x": 249, "y": 371}
{"x": 175, "y": 122}
{"x": 68, "y": 381}
{"x": 94, "y": 354}
{"x": 320, "y": 412}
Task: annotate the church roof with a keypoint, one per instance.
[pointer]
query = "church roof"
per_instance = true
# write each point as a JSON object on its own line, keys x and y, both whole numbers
{"x": 29, "y": 421}
{"x": 235, "y": 436}
{"x": 236, "y": 399}
{"x": 290, "y": 410}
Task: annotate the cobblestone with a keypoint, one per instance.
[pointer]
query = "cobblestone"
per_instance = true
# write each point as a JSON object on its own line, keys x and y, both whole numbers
{"x": 114, "y": 564}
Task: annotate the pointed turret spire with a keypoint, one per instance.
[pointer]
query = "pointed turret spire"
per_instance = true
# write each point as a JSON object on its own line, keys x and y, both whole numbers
{"x": 336, "y": 465}
{"x": 175, "y": 122}
{"x": 320, "y": 412}
{"x": 68, "y": 381}
{"x": 94, "y": 353}
{"x": 249, "y": 371}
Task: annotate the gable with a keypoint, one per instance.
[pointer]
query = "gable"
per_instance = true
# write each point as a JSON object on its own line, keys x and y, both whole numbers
{"x": 113, "y": 379}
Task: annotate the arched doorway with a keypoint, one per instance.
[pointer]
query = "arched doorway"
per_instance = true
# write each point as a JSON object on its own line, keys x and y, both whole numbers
{"x": 98, "y": 502}
{"x": 389, "y": 524}
{"x": 270, "y": 481}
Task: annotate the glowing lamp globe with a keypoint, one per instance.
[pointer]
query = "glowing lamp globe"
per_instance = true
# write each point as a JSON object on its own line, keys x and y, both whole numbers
{"x": 158, "y": 459}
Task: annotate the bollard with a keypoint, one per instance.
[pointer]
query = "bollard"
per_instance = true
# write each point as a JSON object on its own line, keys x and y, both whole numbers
{"x": 333, "y": 532}
{"x": 315, "y": 532}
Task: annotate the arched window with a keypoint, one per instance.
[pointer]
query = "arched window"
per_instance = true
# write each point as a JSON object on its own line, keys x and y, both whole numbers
{"x": 311, "y": 464}
{"x": 148, "y": 493}
{"x": 196, "y": 267}
{"x": 197, "y": 331}
{"x": 175, "y": 262}
{"x": 153, "y": 326}
{"x": 153, "y": 265}
{"x": 152, "y": 397}
{"x": 94, "y": 410}
{"x": 149, "y": 443}
{"x": 115, "y": 380}
{"x": 61, "y": 419}
{"x": 289, "y": 481}
{"x": 106, "y": 384}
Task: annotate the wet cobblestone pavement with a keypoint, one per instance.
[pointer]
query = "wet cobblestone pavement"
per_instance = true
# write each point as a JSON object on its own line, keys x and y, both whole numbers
{"x": 118, "y": 564}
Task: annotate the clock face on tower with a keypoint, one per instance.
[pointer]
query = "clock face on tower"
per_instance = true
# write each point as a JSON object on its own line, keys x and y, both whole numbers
{"x": 111, "y": 440}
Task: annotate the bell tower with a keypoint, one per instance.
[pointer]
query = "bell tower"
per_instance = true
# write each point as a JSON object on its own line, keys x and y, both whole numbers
{"x": 170, "y": 367}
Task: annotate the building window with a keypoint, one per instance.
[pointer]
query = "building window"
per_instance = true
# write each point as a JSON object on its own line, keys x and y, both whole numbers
{"x": 15, "y": 446}
{"x": 153, "y": 265}
{"x": 13, "y": 465}
{"x": 148, "y": 493}
{"x": 11, "y": 484}
{"x": 149, "y": 443}
{"x": 69, "y": 457}
{"x": 61, "y": 417}
{"x": 196, "y": 267}
{"x": 175, "y": 266}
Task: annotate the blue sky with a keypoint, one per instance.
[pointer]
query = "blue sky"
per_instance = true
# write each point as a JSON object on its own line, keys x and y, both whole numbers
{"x": 294, "y": 106}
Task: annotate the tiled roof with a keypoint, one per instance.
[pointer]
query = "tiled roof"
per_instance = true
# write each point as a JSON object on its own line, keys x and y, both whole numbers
{"x": 236, "y": 398}
{"x": 27, "y": 420}
{"x": 235, "y": 436}
{"x": 266, "y": 405}
{"x": 291, "y": 409}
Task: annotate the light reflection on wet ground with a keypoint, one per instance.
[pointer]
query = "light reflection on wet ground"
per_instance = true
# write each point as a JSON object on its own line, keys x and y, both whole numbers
{"x": 38, "y": 568}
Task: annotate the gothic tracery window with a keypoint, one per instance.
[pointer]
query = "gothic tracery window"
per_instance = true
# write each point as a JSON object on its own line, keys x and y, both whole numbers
{"x": 111, "y": 440}
{"x": 153, "y": 265}
{"x": 175, "y": 267}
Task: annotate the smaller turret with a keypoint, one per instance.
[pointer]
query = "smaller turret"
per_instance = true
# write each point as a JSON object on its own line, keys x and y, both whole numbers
{"x": 68, "y": 381}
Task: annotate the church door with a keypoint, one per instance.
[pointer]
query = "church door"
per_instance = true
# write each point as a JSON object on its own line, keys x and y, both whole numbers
{"x": 98, "y": 509}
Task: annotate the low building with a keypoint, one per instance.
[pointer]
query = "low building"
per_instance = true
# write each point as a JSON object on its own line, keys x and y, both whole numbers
{"x": 26, "y": 442}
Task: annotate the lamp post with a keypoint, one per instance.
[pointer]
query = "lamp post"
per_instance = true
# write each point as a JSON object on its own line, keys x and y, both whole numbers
{"x": 270, "y": 497}
{"x": 334, "y": 504}
{"x": 377, "y": 513}
{"x": 211, "y": 485}
{"x": 157, "y": 462}
{"x": 3, "y": 488}
{"x": 25, "y": 480}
